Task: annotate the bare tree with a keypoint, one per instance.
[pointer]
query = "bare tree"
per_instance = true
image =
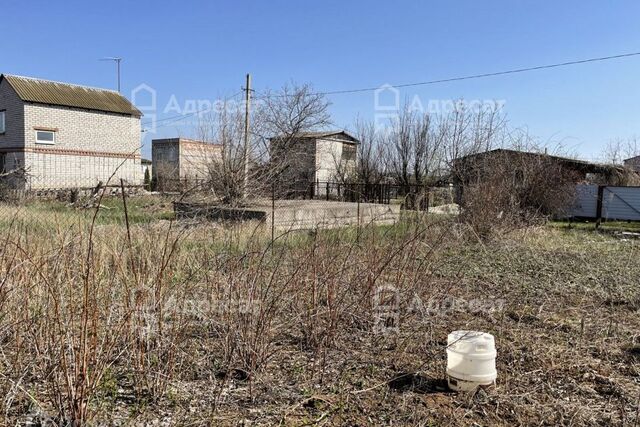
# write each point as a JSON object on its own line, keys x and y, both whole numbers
{"x": 281, "y": 119}
{"x": 226, "y": 171}
{"x": 398, "y": 146}
{"x": 619, "y": 150}
{"x": 469, "y": 132}
{"x": 370, "y": 154}
{"x": 281, "y": 116}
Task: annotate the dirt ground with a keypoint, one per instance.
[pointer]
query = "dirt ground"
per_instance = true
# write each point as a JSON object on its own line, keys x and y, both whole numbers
{"x": 567, "y": 331}
{"x": 562, "y": 303}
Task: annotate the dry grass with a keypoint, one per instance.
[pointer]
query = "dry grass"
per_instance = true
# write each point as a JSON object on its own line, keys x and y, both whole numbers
{"x": 210, "y": 326}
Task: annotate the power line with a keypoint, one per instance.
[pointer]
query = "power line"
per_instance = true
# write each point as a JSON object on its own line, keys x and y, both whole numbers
{"x": 470, "y": 77}
{"x": 180, "y": 117}
{"x": 184, "y": 116}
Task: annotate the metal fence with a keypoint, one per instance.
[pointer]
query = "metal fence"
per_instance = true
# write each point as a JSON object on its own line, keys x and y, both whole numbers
{"x": 280, "y": 206}
{"x": 603, "y": 202}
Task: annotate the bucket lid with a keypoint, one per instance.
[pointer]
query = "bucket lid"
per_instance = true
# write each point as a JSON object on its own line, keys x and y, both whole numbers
{"x": 471, "y": 341}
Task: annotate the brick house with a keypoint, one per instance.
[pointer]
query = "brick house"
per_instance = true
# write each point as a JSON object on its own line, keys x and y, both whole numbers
{"x": 57, "y": 135}
{"x": 633, "y": 163}
{"x": 314, "y": 157}
{"x": 179, "y": 159}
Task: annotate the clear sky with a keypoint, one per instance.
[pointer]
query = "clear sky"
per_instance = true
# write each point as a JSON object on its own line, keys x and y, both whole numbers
{"x": 202, "y": 50}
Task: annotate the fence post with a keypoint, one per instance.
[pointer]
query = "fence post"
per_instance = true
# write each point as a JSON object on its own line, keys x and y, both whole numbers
{"x": 599, "y": 205}
{"x": 358, "y": 225}
{"x": 327, "y": 195}
{"x": 273, "y": 212}
{"x": 429, "y": 194}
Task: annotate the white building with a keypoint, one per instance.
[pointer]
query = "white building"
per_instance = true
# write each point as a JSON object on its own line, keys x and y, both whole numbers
{"x": 314, "y": 157}
{"x": 57, "y": 135}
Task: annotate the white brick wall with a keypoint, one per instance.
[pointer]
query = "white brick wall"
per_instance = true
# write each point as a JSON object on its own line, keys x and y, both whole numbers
{"x": 68, "y": 171}
{"x": 90, "y": 145}
{"x": 328, "y": 157}
{"x": 197, "y": 158}
{"x": 83, "y": 129}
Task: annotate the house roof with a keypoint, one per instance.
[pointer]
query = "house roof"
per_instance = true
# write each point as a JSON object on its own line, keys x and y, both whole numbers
{"x": 583, "y": 165}
{"x": 337, "y": 134}
{"x": 69, "y": 95}
{"x": 187, "y": 141}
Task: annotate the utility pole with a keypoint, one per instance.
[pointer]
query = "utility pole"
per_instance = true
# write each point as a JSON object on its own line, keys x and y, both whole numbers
{"x": 117, "y": 61}
{"x": 247, "y": 100}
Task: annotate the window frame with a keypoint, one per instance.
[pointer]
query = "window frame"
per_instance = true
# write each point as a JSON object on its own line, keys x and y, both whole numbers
{"x": 3, "y": 121}
{"x": 52, "y": 132}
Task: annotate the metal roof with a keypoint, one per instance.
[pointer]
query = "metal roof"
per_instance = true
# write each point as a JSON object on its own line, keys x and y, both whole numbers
{"x": 180, "y": 140}
{"x": 342, "y": 135}
{"x": 584, "y": 165}
{"x": 69, "y": 95}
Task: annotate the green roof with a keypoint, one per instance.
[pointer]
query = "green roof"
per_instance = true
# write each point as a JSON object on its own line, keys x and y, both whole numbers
{"x": 69, "y": 95}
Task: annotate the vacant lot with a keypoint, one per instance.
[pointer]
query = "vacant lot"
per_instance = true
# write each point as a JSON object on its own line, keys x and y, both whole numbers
{"x": 211, "y": 325}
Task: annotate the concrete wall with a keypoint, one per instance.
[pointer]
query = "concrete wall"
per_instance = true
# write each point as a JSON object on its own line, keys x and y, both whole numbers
{"x": 328, "y": 155}
{"x": 178, "y": 158}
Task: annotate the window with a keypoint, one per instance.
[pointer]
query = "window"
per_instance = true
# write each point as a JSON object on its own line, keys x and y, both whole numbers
{"x": 2, "y": 124}
{"x": 348, "y": 152}
{"x": 45, "y": 137}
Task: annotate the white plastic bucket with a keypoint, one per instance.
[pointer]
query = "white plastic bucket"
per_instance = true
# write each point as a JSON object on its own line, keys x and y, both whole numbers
{"x": 471, "y": 360}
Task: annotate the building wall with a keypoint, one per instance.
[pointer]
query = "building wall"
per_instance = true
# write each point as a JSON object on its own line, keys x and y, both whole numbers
{"x": 84, "y": 130}
{"x": 633, "y": 163}
{"x": 178, "y": 159}
{"x": 89, "y": 148}
{"x": 295, "y": 160}
{"x": 165, "y": 160}
{"x": 331, "y": 160}
{"x": 308, "y": 160}
{"x": 70, "y": 171}
{"x": 14, "y": 117}
{"x": 196, "y": 158}
{"x": 328, "y": 153}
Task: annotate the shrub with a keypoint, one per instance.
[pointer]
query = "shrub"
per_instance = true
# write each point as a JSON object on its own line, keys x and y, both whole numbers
{"x": 517, "y": 191}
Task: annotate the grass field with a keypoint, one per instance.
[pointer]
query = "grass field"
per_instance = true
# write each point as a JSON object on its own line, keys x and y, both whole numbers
{"x": 209, "y": 325}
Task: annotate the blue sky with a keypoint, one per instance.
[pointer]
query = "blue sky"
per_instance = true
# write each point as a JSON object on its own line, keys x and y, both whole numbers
{"x": 203, "y": 49}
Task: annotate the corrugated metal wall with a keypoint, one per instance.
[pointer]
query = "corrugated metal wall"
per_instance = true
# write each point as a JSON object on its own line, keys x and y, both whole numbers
{"x": 618, "y": 203}
{"x": 586, "y": 203}
{"x": 621, "y": 203}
